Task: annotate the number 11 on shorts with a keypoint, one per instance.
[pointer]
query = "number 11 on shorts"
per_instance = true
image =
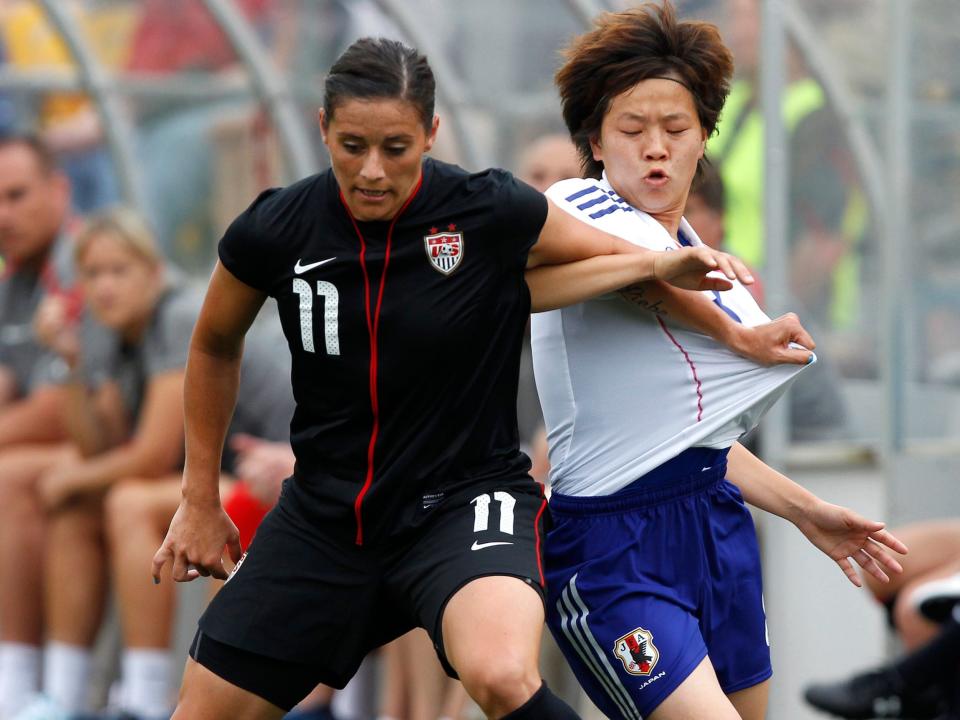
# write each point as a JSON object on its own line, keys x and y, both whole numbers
{"x": 481, "y": 511}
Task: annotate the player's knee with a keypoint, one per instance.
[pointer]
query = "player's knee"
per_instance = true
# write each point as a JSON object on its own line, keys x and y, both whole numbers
{"x": 17, "y": 490}
{"x": 126, "y": 509}
{"x": 499, "y": 683}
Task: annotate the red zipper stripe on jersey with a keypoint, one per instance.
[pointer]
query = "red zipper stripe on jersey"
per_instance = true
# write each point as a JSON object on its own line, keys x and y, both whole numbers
{"x": 373, "y": 330}
{"x": 536, "y": 532}
{"x": 693, "y": 369}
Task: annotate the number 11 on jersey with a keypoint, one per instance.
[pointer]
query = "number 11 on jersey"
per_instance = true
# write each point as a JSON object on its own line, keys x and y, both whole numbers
{"x": 331, "y": 310}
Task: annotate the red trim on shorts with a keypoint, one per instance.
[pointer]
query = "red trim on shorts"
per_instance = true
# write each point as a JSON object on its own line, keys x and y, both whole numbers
{"x": 373, "y": 330}
{"x": 693, "y": 369}
{"x": 536, "y": 533}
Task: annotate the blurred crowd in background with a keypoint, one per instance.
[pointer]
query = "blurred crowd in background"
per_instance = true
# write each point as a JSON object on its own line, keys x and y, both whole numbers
{"x": 96, "y": 303}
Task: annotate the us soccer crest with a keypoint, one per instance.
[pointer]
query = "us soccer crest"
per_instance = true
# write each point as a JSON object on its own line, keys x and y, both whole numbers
{"x": 444, "y": 249}
{"x": 637, "y": 652}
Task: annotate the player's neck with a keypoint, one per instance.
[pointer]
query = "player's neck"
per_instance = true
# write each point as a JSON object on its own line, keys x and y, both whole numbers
{"x": 670, "y": 219}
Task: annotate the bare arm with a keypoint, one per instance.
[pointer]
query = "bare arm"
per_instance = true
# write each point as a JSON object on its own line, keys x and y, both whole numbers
{"x": 36, "y": 418}
{"x": 837, "y": 531}
{"x": 154, "y": 450}
{"x": 200, "y": 529}
{"x": 573, "y": 261}
{"x": 95, "y": 420}
{"x": 768, "y": 344}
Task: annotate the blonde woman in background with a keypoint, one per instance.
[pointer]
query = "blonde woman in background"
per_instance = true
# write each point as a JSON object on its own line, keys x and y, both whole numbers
{"x": 124, "y": 415}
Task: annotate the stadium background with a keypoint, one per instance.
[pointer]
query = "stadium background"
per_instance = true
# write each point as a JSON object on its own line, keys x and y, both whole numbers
{"x": 186, "y": 108}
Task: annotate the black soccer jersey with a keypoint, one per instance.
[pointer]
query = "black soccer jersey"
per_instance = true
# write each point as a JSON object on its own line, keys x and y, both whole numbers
{"x": 405, "y": 337}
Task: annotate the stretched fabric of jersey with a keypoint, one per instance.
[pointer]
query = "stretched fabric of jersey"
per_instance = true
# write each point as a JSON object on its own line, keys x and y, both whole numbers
{"x": 624, "y": 390}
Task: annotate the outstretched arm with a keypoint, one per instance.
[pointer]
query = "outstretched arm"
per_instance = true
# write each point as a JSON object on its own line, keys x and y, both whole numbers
{"x": 572, "y": 261}
{"x": 200, "y": 528}
{"x": 772, "y": 343}
{"x": 838, "y": 531}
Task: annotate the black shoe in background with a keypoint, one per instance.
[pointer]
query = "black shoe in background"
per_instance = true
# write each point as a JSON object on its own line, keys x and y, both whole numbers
{"x": 876, "y": 694}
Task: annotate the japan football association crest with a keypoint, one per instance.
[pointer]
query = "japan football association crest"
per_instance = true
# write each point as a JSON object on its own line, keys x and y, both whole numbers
{"x": 444, "y": 249}
{"x": 637, "y": 652}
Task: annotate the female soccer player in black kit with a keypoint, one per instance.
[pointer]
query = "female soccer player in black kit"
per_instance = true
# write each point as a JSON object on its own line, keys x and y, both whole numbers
{"x": 400, "y": 283}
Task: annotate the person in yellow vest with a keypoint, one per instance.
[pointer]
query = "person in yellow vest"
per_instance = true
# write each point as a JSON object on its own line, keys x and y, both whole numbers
{"x": 828, "y": 212}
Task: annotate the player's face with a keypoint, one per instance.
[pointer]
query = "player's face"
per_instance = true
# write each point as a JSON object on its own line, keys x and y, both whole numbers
{"x": 650, "y": 142}
{"x": 120, "y": 285}
{"x": 32, "y": 204}
{"x": 376, "y": 149}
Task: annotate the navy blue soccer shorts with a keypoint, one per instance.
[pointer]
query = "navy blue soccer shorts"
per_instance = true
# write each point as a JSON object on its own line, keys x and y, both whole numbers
{"x": 645, "y": 583}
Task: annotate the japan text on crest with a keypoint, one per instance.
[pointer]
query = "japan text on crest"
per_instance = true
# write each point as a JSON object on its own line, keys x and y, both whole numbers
{"x": 444, "y": 249}
{"x": 637, "y": 652}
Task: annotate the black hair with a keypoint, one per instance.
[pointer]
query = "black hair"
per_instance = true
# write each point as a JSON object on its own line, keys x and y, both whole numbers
{"x": 381, "y": 68}
{"x": 628, "y": 47}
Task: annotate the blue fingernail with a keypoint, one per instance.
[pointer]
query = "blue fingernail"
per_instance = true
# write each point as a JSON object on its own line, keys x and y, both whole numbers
{"x": 156, "y": 581}
{"x": 809, "y": 359}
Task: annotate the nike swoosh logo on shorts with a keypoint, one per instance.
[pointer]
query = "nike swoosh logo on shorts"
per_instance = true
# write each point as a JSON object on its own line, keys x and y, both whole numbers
{"x": 300, "y": 269}
{"x": 480, "y": 546}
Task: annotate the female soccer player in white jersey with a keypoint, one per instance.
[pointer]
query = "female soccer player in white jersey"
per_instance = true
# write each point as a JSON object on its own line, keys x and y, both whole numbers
{"x": 653, "y": 569}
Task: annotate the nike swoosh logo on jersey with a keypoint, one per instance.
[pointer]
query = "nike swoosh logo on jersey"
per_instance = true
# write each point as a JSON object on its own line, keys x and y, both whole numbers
{"x": 300, "y": 269}
{"x": 480, "y": 546}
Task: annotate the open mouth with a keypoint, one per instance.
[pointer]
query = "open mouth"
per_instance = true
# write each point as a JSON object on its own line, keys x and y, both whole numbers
{"x": 656, "y": 177}
{"x": 372, "y": 194}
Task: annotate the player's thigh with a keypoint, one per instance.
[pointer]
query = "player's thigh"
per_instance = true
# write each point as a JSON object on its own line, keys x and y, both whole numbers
{"x": 206, "y": 695}
{"x": 630, "y": 645}
{"x": 698, "y": 697}
{"x": 21, "y": 466}
{"x": 933, "y": 544}
{"x": 303, "y": 597}
{"x": 135, "y": 502}
{"x": 752, "y": 702}
{"x": 476, "y": 629}
{"x": 480, "y": 554}
{"x": 732, "y": 613}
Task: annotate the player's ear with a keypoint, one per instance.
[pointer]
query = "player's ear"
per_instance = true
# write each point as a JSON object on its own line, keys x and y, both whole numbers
{"x": 323, "y": 122}
{"x": 596, "y": 148}
{"x": 432, "y": 134}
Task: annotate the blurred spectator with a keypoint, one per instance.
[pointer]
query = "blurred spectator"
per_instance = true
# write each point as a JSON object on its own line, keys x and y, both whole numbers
{"x": 34, "y": 211}
{"x": 8, "y": 106}
{"x": 176, "y": 139}
{"x": 705, "y": 211}
{"x": 138, "y": 511}
{"x": 125, "y": 419}
{"x": 68, "y": 122}
{"x": 817, "y": 408}
{"x": 828, "y": 211}
{"x": 34, "y": 204}
{"x": 415, "y": 685}
{"x": 182, "y": 36}
{"x": 548, "y": 159}
{"x": 923, "y": 682}
{"x": 934, "y": 554}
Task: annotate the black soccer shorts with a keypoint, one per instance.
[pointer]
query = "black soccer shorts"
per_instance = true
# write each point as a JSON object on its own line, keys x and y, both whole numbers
{"x": 313, "y": 606}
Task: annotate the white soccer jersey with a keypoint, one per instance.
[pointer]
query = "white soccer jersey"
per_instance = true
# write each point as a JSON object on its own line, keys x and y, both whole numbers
{"x": 624, "y": 390}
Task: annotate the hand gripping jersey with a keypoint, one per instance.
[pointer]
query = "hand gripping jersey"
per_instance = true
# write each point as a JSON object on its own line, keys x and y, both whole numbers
{"x": 405, "y": 339}
{"x": 624, "y": 390}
